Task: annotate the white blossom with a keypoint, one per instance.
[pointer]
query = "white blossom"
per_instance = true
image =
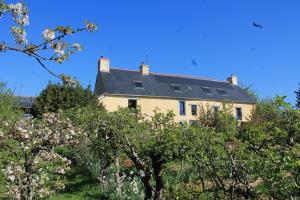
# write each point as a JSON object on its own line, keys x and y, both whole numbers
{"x": 48, "y": 34}
{"x": 77, "y": 46}
{"x": 23, "y": 20}
{"x": 58, "y": 48}
{"x": 19, "y": 34}
{"x": 90, "y": 26}
{"x": 60, "y": 170}
{"x": 2, "y": 46}
{"x": 11, "y": 178}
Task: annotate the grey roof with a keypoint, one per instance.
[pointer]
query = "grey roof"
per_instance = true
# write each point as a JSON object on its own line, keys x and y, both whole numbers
{"x": 25, "y": 102}
{"x": 119, "y": 82}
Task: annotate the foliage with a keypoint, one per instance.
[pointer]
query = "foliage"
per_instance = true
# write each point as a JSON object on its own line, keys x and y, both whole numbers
{"x": 258, "y": 160}
{"x": 9, "y": 113}
{"x": 58, "y": 96}
{"x": 298, "y": 98}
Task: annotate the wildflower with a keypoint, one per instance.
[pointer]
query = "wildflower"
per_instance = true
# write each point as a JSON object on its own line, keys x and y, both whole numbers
{"x": 48, "y": 34}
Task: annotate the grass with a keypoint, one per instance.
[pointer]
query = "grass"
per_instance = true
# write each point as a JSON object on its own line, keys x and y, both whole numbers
{"x": 80, "y": 187}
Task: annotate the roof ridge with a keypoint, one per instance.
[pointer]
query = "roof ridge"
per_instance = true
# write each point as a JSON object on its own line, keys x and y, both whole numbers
{"x": 125, "y": 69}
{"x": 177, "y": 75}
{"x": 191, "y": 77}
{"x": 25, "y": 96}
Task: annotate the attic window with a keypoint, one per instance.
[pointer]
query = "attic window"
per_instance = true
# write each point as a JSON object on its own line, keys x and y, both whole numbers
{"x": 206, "y": 90}
{"x": 175, "y": 87}
{"x": 221, "y": 91}
{"x": 138, "y": 84}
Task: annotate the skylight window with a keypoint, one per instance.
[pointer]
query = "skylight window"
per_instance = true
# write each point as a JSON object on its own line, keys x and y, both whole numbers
{"x": 221, "y": 91}
{"x": 176, "y": 87}
{"x": 206, "y": 90}
{"x": 138, "y": 84}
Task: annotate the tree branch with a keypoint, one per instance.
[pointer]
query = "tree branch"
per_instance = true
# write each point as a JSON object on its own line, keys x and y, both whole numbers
{"x": 46, "y": 68}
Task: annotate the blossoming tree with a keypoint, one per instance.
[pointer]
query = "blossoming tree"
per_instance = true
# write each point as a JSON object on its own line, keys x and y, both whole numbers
{"x": 32, "y": 168}
{"x": 53, "y": 48}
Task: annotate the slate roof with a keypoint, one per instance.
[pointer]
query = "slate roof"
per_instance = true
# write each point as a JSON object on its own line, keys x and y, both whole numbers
{"x": 120, "y": 82}
{"x": 24, "y": 102}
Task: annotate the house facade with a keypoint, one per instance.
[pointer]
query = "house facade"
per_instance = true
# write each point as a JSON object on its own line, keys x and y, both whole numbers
{"x": 184, "y": 95}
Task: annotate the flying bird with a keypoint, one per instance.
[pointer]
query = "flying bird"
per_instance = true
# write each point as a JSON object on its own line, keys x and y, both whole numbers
{"x": 194, "y": 62}
{"x": 257, "y": 25}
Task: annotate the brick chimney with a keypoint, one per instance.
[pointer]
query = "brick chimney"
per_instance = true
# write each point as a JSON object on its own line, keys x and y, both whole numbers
{"x": 144, "y": 69}
{"x": 103, "y": 64}
{"x": 232, "y": 79}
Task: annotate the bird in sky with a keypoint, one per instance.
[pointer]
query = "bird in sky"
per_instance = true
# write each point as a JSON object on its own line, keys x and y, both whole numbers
{"x": 194, "y": 62}
{"x": 257, "y": 25}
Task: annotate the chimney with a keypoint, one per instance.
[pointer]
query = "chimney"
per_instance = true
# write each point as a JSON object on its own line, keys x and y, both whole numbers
{"x": 103, "y": 64}
{"x": 232, "y": 79}
{"x": 144, "y": 69}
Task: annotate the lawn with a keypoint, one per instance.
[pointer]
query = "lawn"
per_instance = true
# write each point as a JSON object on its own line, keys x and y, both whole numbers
{"x": 79, "y": 186}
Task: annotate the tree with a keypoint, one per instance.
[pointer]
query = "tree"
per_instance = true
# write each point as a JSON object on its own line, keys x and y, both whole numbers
{"x": 58, "y": 96}
{"x": 298, "y": 98}
{"x": 256, "y": 161}
{"x": 149, "y": 142}
{"x": 32, "y": 168}
{"x": 53, "y": 48}
{"x": 9, "y": 113}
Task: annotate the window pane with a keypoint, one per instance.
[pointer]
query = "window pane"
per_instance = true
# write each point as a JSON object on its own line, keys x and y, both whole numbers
{"x": 221, "y": 91}
{"x": 238, "y": 113}
{"x": 182, "y": 107}
{"x": 194, "y": 109}
{"x": 137, "y": 84}
{"x": 206, "y": 90}
{"x": 175, "y": 87}
{"x": 132, "y": 104}
{"x": 216, "y": 108}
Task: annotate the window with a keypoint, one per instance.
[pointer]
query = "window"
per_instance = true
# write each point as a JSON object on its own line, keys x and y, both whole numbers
{"x": 194, "y": 109}
{"x": 132, "y": 103}
{"x": 206, "y": 90}
{"x": 216, "y": 109}
{"x": 138, "y": 84}
{"x": 182, "y": 107}
{"x": 175, "y": 87}
{"x": 238, "y": 113}
{"x": 221, "y": 91}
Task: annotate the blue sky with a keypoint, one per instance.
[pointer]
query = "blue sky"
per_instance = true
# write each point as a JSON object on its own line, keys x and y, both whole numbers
{"x": 217, "y": 34}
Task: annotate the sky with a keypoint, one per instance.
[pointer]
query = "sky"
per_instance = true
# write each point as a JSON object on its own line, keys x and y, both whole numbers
{"x": 205, "y": 38}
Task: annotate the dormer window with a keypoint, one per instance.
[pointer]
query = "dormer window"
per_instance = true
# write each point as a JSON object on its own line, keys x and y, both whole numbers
{"x": 138, "y": 84}
{"x": 175, "y": 87}
{"x": 221, "y": 91}
{"x": 206, "y": 90}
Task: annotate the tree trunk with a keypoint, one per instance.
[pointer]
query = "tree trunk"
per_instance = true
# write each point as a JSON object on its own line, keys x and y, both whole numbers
{"x": 147, "y": 186}
{"x": 159, "y": 184}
